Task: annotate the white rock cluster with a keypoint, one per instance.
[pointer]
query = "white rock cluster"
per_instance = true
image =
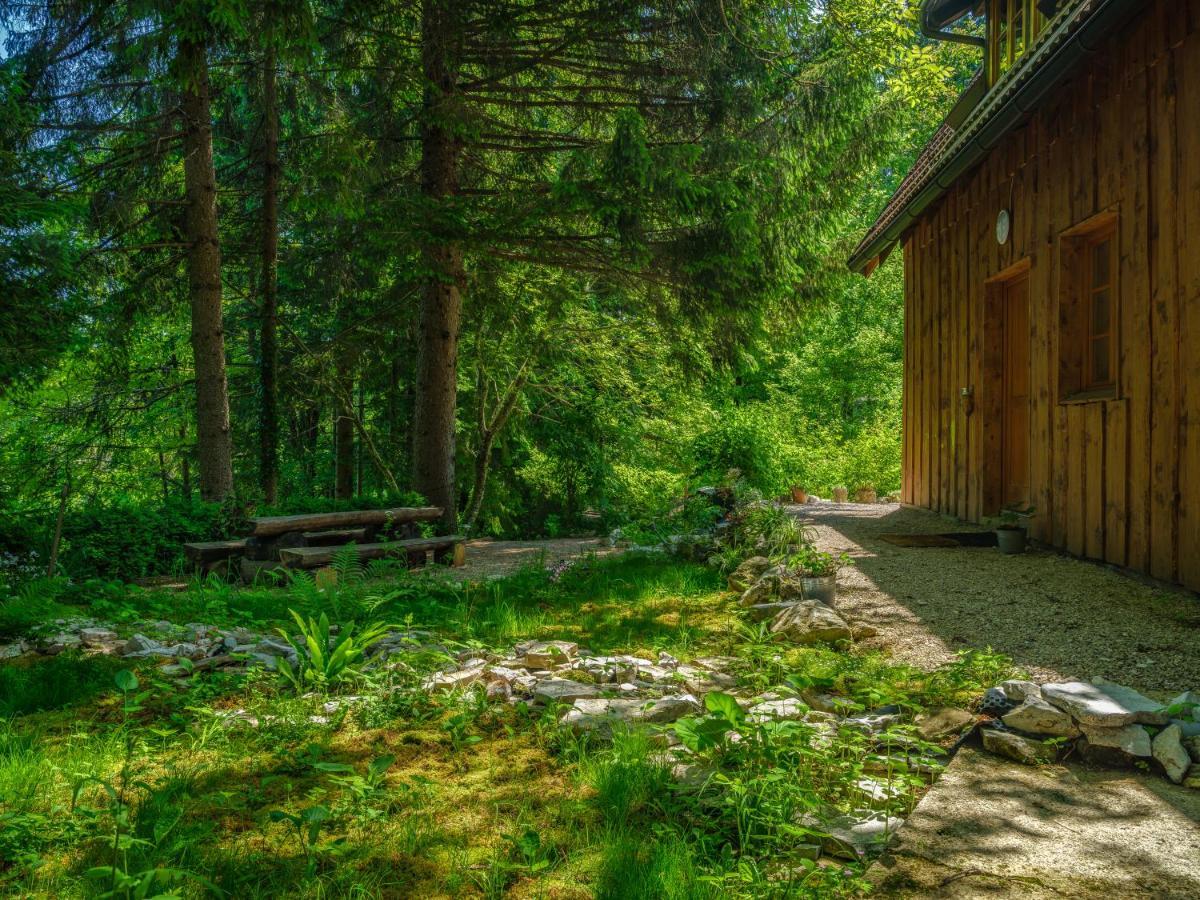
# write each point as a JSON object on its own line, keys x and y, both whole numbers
{"x": 1107, "y": 722}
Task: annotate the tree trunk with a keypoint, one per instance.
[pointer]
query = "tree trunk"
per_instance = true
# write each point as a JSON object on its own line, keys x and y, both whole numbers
{"x": 343, "y": 481}
{"x": 441, "y": 300}
{"x": 213, "y": 443}
{"x": 488, "y": 431}
{"x": 268, "y": 426}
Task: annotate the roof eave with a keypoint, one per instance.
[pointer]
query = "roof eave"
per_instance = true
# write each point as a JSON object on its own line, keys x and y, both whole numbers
{"x": 1008, "y": 103}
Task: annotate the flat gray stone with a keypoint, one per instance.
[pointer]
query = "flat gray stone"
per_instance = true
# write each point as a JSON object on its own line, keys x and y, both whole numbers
{"x": 769, "y": 710}
{"x": 1019, "y": 691}
{"x": 1037, "y": 716}
{"x": 859, "y": 834}
{"x": 1168, "y": 750}
{"x": 748, "y": 572}
{"x": 810, "y": 622}
{"x": 936, "y": 724}
{"x": 760, "y": 612}
{"x": 564, "y": 690}
{"x": 603, "y": 715}
{"x": 548, "y": 654}
{"x": 1026, "y": 751}
{"x": 1104, "y": 705}
{"x": 991, "y": 829}
{"x": 1133, "y": 740}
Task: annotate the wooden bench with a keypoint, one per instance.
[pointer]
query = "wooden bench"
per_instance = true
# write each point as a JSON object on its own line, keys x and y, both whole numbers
{"x": 210, "y": 556}
{"x": 445, "y": 549}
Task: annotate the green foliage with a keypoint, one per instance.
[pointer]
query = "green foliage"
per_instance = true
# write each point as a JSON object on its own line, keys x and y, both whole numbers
{"x": 326, "y": 660}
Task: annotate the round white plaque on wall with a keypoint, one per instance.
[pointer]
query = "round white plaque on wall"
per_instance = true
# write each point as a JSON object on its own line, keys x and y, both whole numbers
{"x": 1003, "y": 226}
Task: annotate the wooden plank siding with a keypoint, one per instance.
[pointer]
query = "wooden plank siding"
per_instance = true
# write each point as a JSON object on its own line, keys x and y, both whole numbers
{"x": 1116, "y": 478}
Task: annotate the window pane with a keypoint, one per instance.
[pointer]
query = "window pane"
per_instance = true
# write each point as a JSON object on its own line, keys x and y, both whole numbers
{"x": 1100, "y": 257}
{"x": 1100, "y": 363}
{"x": 1101, "y": 312}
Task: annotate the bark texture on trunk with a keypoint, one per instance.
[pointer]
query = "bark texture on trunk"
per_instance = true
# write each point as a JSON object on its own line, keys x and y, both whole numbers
{"x": 343, "y": 438}
{"x": 268, "y": 426}
{"x": 213, "y": 444}
{"x": 441, "y": 300}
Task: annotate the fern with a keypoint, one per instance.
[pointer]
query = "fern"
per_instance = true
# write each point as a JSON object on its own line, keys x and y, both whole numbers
{"x": 348, "y": 565}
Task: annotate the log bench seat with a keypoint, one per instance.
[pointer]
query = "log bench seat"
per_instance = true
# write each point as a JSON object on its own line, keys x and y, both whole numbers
{"x": 445, "y": 549}
{"x": 205, "y": 555}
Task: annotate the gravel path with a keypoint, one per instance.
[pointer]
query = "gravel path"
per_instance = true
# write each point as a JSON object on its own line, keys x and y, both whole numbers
{"x": 1057, "y": 617}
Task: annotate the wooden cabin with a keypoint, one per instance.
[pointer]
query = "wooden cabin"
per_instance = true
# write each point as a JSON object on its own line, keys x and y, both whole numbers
{"x": 1051, "y": 238}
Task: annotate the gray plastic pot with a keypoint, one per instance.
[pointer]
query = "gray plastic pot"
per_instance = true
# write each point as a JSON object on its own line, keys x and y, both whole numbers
{"x": 1010, "y": 540}
{"x": 823, "y": 588}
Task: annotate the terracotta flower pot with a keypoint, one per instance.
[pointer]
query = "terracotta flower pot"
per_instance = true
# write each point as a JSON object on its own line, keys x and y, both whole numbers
{"x": 865, "y": 495}
{"x": 840, "y": 494}
{"x": 799, "y": 495}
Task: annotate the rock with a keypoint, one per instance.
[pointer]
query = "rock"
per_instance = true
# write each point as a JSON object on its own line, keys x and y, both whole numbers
{"x": 1186, "y": 728}
{"x": 1192, "y": 745}
{"x": 1104, "y": 704}
{"x": 667, "y": 661}
{"x": 56, "y": 644}
{"x": 716, "y": 663}
{"x": 12, "y": 651}
{"x": 858, "y": 834}
{"x": 760, "y": 612}
{"x": 498, "y": 689}
{"x": 936, "y": 724}
{"x": 810, "y": 622}
{"x": 1168, "y": 750}
{"x": 564, "y": 690}
{"x": 274, "y": 648}
{"x": 861, "y": 632}
{"x": 98, "y": 637}
{"x": 769, "y": 710}
{"x": 827, "y": 703}
{"x": 602, "y": 716}
{"x": 765, "y": 590}
{"x": 748, "y": 572}
{"x": 693, "y": 774}
{"x": 1037, "y": 716}
{"x": 1020, "y": 749}
{"x": 1018, "y": 691}
{"x": 1132, "y": 740}
{"x": 548, "y": 654}
{"x": 872, "y": 724}
{"x": 878, "y": 793}
{"x": 450, "y": 681}
{"x": 1186, "y": 705}
{"x": 1192, "y": 778}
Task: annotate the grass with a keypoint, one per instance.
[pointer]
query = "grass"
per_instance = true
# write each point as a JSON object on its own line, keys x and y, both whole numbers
{"x": 475, "y": 799}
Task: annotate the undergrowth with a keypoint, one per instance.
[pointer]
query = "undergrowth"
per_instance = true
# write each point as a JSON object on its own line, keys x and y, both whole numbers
{"x": 235, "y": 785}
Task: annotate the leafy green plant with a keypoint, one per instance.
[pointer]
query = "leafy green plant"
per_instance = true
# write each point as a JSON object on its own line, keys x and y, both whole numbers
{"x": 809, "y": 562}
{"x": 306, "y": 826}
{"x": 323, "y": 659}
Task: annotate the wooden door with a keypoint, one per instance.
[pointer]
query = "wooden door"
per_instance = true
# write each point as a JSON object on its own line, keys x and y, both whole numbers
{"x": 1015, "y": 394}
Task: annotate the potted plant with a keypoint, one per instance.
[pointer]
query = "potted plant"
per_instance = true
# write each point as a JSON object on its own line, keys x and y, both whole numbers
{"x": 840, "y": 493}
{"x": 1010, "y": 533}
{"x": 817, "y": 571}
{"x": 799, "y": 495}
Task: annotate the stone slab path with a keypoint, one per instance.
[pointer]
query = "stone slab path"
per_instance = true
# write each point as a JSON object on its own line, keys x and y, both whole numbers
{"x": 1057, "y": 617}
{"x": 993, "y": 829}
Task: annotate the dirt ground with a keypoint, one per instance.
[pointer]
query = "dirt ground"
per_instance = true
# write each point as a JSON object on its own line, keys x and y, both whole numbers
{"x": 487, "y": 558}
{"x": 1057, "y": 617}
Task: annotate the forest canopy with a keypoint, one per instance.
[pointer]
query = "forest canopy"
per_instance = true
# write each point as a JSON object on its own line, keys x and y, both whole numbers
{"x": 538, "y": 263}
